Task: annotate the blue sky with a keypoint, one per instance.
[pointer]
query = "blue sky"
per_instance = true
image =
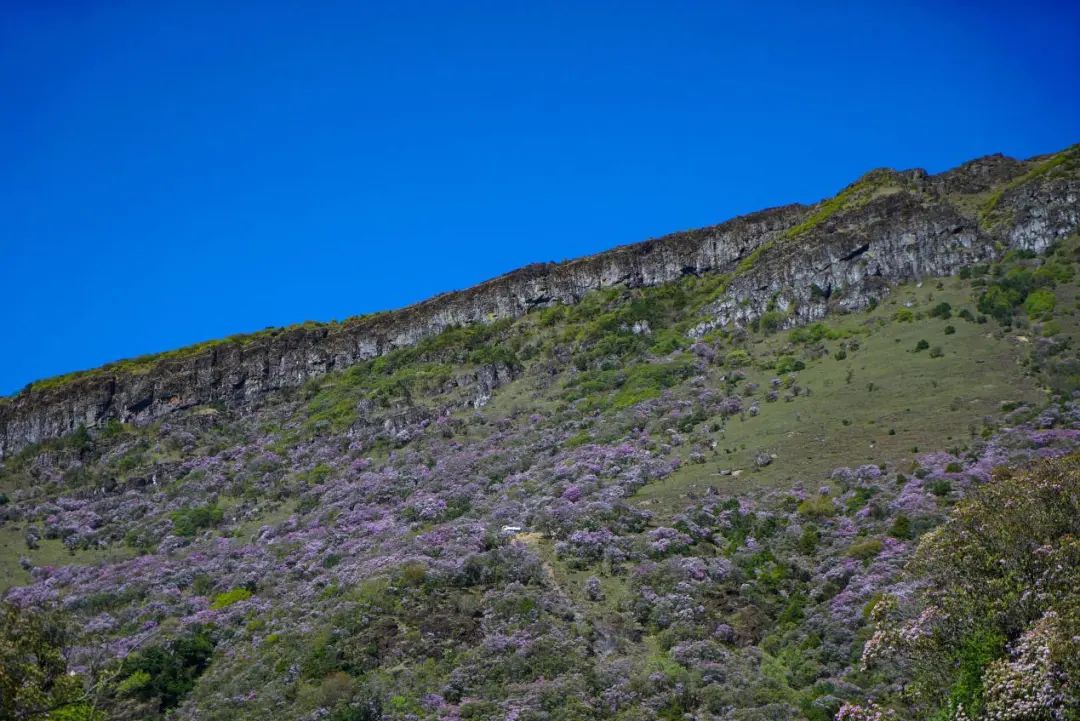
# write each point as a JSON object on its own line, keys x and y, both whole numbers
{"x": 172, "y": 172}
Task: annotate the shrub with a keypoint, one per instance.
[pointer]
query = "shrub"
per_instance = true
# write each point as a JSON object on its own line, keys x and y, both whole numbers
{"x": 1051, "y": 273}
{"x": 789, "y": 364}
{"x": 949, "y": 329}
{"x": 809, "y": 538}
{"x": 737, "y": 358}
{"x": 901, "y": 527}
{"x": 33, "y": 669}
{"x": 865, "y": 550}
{"x": 813, "y": 333}
{"x": 228, "y": 598}
{"x": 941, "y": 310}
{"x": 771, "y": 320}
{"x": 166, "y": 674}
{"x": 940, "y": 487}
{"x": 189, "y": 521}
{"x": 1040, "y": 302}
{"x": 903, "y": 315}
{"x": 817, "y": 507}
{"x": 998, "y": 302}
{"x": 936, "y": 352}
{"x": 921, "y": 346}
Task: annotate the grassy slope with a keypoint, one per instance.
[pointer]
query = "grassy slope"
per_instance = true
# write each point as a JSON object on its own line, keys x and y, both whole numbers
{"x": 929, "y": 402}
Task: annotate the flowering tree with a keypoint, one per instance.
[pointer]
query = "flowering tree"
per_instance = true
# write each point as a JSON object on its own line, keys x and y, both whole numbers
{"x": 995, "y": 632}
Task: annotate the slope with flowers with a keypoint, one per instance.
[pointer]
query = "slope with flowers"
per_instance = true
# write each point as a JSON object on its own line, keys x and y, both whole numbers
{"x": 601, "y": 510}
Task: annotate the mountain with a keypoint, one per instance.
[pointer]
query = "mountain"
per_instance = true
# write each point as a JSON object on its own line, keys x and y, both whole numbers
{"x": 841, "y": 254}
{"x": 815, "y": 461}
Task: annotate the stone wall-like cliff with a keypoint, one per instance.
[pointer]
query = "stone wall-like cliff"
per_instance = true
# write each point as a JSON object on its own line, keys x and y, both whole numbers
{"x": 842, "y": 254}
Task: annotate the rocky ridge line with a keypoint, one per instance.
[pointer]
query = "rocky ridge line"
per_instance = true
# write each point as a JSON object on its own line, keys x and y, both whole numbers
{"x": 797, "y": 262}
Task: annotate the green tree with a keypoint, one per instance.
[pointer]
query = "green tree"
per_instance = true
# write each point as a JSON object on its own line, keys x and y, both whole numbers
{"x": 34, "y": 680}
{"x": 998, "y": 301}
{"x": 1000, "y": 580}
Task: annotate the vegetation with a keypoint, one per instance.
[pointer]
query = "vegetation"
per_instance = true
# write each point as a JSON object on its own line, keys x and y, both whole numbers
{"x": 1065, "y": 162}
{"x": 977, "y": 638}
{"x": 164, "y": 675}
{"x": 189, "y": 521}
{"x": 34, "y": 680}
{"x": 610, "y": 510}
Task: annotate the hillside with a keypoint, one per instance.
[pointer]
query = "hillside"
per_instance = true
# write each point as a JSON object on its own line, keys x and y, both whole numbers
{"x": 753, "y": 471}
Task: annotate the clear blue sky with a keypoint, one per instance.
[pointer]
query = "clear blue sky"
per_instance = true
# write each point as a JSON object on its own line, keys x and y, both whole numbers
{"x": 172, "y": 172}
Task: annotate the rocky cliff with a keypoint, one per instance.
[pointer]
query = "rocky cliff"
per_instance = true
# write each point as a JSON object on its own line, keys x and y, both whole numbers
{"x": 795, "y": 262}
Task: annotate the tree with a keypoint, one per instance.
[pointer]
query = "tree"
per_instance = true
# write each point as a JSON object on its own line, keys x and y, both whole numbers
{"x": 1000, "y": 602}
{"x": 34, "y": 680}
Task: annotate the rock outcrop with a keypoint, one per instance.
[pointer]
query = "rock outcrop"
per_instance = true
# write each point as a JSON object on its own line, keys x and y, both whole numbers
{"x": 796, "y": 262}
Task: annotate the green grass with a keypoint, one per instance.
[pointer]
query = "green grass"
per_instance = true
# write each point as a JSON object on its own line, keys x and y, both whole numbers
{"x": 916, "y": 401}
{"x": 50, "y": 552}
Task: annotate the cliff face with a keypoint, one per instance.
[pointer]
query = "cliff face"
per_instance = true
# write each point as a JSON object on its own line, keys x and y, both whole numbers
{"x": 799, "y": 261}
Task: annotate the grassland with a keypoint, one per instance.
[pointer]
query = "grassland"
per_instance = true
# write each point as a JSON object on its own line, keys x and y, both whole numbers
{"x": 883, "y": 401}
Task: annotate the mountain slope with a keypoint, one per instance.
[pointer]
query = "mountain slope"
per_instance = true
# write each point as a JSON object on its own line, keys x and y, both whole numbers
{"x": 694, "y": 490}
{"x": 841, "y": 254}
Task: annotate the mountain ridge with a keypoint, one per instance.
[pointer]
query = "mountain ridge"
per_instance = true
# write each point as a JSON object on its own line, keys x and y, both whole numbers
{"x": 796, "y": 261}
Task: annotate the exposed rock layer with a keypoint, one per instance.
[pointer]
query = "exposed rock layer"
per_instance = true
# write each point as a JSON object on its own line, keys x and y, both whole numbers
{"x": 789, "y": 260}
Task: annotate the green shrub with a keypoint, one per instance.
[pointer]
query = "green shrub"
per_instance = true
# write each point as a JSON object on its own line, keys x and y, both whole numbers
{"x": 809, "y": 539}
{"x": 813, "y": 333}
{"x": 998, "y": 302}
{"x": 133, "y": 683}
{"x": 865, "y": 550}
{"x": 903, "y": 315}
{"x": 901, "y": 527}
{"x": 921, "y": 346}
{"x": 228, "y": 598}
{"x": 771, "y": 321}
{"x": 789, "y": 364}
{"x": 949, "y": 329}
{"x": 978, "y": 649}
{"x": 817, "y": 507}
{"x": 578, "y": 439}
{"x": 940, "y": 487}
{"x": 189, "y": 521}
{"x": 1039, "y": 302}
{"x": 166, "y": 674}
{"x": 647, "y": 380}
{"x": 941, "y": 310}
{"x": 936, "y": 352}
{"x": 737, "y": 358}
{"x": 1051, "y": 273}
